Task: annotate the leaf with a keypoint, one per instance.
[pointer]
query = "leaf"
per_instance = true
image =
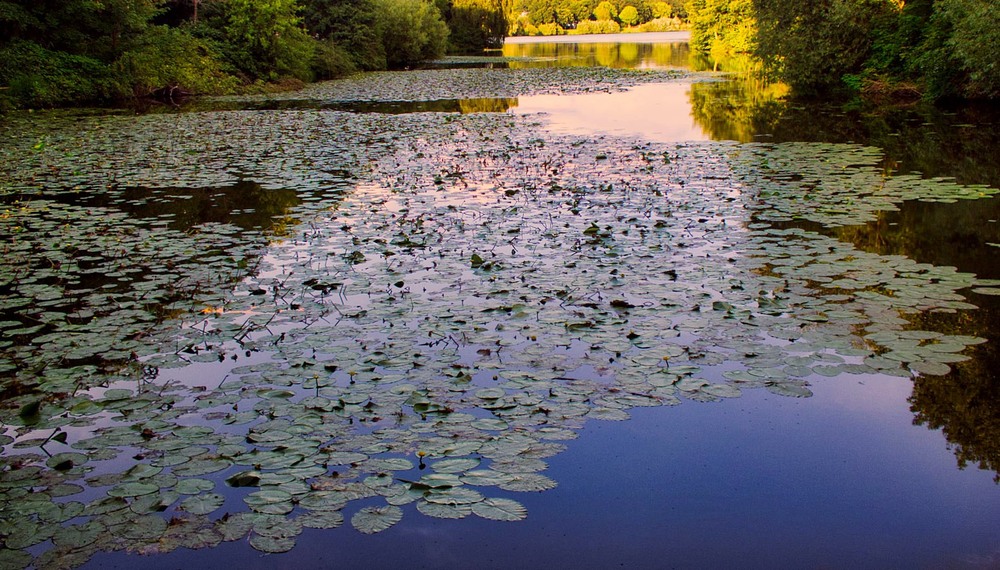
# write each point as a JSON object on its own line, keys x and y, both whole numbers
{"x": 791, "y": 390}
{"x": 444, "y": 511}
{"x": 321, "y": 519}
{"x": 202, "y": 504}
{"x": 272, "y": 545}
{"x": 133, "y": 489}
{"x": 528, "y": 482}
{"x": 500, "y": 510}
{"x": 371, "y": 520}
{"x": 270, "y": 501}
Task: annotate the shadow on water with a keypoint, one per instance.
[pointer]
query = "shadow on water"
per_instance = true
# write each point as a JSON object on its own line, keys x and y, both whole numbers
{"x": 245, "y": 204}
{"x": 464, "y": 106}
{"x": 960, "y": 144}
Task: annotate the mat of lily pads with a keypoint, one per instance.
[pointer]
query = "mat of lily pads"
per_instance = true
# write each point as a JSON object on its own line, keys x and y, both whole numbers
{"x": 444, "y": 304}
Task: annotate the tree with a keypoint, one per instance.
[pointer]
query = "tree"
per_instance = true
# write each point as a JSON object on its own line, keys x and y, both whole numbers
{"x": 411, "y": 31}
{"x": 475, "y": 25}
{"x": 270, "y": 38}
{"x": 605, "y": 11}
{"x": 629, "y": 15}
{"x": 348, "y": 27}
{"x": 722, "y": 26}
{"x": 974, "y": 43}
{"x": 814, "y": 45}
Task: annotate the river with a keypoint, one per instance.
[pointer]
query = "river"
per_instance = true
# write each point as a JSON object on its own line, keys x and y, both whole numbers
{"x": 588, "y": 302}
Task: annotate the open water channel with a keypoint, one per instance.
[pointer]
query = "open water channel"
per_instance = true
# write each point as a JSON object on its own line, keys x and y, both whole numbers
{"x": 585, "y": 304}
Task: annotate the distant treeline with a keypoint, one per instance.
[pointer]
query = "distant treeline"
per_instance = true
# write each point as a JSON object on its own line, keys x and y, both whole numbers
{"x": 556, "y": 17}
{"x": 59, "y": 52}
{"x": 936, "y": 49}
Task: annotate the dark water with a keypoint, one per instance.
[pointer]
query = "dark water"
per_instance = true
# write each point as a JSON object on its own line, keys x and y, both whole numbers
{"x": 870, "y": 472}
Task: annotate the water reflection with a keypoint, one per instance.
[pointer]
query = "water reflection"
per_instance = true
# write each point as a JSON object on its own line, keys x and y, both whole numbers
{"x": 245, "y": 204}
{"x": 623, "y": 114}
{"x": 474, "y": 105}
{"x": 626, "y": 53}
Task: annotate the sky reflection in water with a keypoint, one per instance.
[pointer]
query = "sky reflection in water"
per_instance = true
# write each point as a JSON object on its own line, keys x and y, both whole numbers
{"x": 653, "y": 113}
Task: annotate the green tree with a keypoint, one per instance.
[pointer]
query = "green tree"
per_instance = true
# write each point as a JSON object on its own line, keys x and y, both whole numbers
{"x": 662, "y": 10}
{"x": 475, "y": 25}
{"x": 348, "y": 30}
{"x": 411, "y": 31}
{"x": 605, "y": 11}
{"x": 814, "y": 45}
{"x": 629, "y": 15}
{"x": 722, "y": 27}
{"x": 269, "y": 39}
{"x": 974, "y": 43}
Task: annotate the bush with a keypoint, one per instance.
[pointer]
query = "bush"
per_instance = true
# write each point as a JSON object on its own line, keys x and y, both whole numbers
{"x": 266, "y": 39}
{"x": 171, "y": 57}
{"x": 813, "y": 46}
{"x": 597, "y": 27}
{"x": 552, "y": 29}
{"x": 661, "y": 25}
{"x": 476, "y": 25}
{"x": 331, "y": 61}
{"x": 37, "y": 77}
{"x": 975, "y": 43}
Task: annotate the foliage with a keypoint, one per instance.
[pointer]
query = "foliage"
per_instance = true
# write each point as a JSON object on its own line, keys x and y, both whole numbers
{"x": 347, "y": 29}
{"x": 551, "y": 29}
{"x": 529, "y": 15}
{"x": 661, "y": 25}
{"x": 946, "y": 48}
{"x": 268, "y": 39}
{"x": 476, "y": 24}
{"x": 411, "y": 31}
{"x": 38, "y": 77}
{"x": 331, "y": 61}
{"x": 721, "y": 27}
{"x": 172, "y": 57}
{"x": 597, "y": 27}
{"x": 812, "y": 46}
{"x": 605, "y": 11}
{"x": 58, "y": 52}
{"x": 974, "y": 43}
{"x": 629, "y": 15}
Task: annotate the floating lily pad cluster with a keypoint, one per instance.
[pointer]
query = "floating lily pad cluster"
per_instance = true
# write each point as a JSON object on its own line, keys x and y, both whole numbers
{"x": 468, "y": 83}
{"x": 837, "y": 186}
{"x": 422, "y": 341}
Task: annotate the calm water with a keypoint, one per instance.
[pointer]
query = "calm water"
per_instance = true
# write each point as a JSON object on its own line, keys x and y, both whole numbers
{"x": 863, "y": 474}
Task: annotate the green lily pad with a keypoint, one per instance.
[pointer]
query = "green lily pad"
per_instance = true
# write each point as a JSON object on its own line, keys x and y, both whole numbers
{"x": 371, "y": 520}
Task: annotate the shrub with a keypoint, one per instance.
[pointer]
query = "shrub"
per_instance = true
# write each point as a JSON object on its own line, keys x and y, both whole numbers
{"x": 171, "y": 57}
{"x": 331, "y": 61}
{"x": 37, "y": 77}
{"x": 661, "y": 25}
{"x": 552, "y": 29}
{"x": 597, "y": 27}
{"x": 975, "y": 43}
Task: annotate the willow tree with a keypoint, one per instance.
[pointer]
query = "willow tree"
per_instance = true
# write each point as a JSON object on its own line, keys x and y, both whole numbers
{"x": 476, "y": 24}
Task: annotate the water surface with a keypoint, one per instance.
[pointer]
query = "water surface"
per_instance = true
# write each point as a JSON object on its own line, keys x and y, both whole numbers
{"x": 621, "y": 248}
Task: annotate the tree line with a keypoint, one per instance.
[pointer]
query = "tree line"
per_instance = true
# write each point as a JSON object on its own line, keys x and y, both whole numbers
{"x": 556, "y": 17}
{"x": 935, "y": 49}
{"x": 57, "y": 52}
